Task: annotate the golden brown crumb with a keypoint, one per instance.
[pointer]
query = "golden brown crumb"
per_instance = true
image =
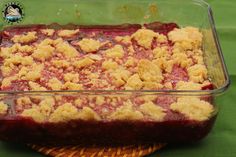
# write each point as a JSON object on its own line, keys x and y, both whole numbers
{"x": 154, "y": 111}
{"x": 148, "y": 71}
{"x": 88, "y": 114}
{"x": 89, "y": 45}
{"x": 3, "y": 108}
{"x": 109, "y": 65}
{"x": 126, "y": 112}
{"x": 188, "y": 37}
{"x": 64, "y": 113}
{"x": 66, "y": 49}
{"x": 148, "y": 85}
{"x": 67, "y": 33}
{"x": 70, "y": 77}
{"x": 60, "y": 63}
{"x": 123, "y": 39}
{"x": 134, "y": 82}
{"x": 36, "y": 87}
{"x": 48, "y": 32}
{"x": 100, "y": 100}
{"x": 197, "y": 73}
{"x": 23, "y": 101}
{"x": 55, "y": 84}
{"x": 144, "y": 37}
{"x": 78, "y": 102}
{"x": 193, "y": 107}
{"x": 115, "y": 52}
{"x": 46, "y": 106}
{"x": 30, "y": 36}
{"x": 43, "y": 52}
{"x": 35, "y": 114}
{"x": 181, "y": 85}
{"x": 83, "y": 62}
{"x": 72, "y": 86}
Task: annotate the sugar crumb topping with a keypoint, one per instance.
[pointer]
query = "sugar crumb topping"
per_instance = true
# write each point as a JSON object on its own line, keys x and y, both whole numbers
{"x": 66, "y": 49}
{"x": 88, "y": 114}
{"x": 64, "y": 113}
{"x": 148, "y": 71}
{"x": 144, "y": 37}
{"x": 134, "y": 83}
{"x": 154, "y": 111}
{"x": 126, "y": 112}
{"x": 67, "y": 33}
{"x": 193, "y": 108}
{"x": 109, "y": 64}
{"x": 83, "y": 62}
{"x": 72, "y": 86}
{"x": 182, "y": 85}
{"x": 43, "y": 52}
{"x": 115, "y": 52}
{"x": 48, "y": 32}
{"x": 3, "y": 108}
{"x": 36, "y": 87}
{"x": 189, "y": 37}
{"x": 29, "y": 37}
{"x": 89, "y": 45}
{"x": 55, "y": 84}
{"x": 35, "y": 114}
{"x": 197, "y": 73}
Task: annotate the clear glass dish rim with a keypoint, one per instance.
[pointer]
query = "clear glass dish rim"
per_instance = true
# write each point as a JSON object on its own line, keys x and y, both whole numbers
{"x": 161, "y": 92}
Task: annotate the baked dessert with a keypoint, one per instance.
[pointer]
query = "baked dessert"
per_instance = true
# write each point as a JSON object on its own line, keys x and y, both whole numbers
{"x": 90, "y": 81}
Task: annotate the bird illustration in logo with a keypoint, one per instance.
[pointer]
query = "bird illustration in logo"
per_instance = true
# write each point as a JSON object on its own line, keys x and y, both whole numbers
{"x": 13, "y": 13}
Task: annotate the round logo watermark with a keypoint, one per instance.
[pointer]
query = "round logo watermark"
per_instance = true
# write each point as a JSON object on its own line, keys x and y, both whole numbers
{"x": 13, "y": 12}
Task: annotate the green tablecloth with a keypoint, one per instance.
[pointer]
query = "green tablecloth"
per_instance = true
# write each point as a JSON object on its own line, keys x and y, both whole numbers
{"x": 221, "y": 142}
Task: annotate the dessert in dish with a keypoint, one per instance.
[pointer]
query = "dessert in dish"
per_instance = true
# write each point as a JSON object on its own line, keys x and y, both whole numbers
{"x": 134, "y": 58}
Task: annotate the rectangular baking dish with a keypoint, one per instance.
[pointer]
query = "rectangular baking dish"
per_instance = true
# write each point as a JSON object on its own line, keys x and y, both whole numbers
{"x": 195, "y": 13}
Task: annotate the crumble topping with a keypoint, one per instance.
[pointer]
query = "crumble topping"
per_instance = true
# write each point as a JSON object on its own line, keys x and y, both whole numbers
{"x": 36, "y": 87}
{"x": 154, "y": 111}
{"x": 64, "y": 113}
{"x": 193, "y": 107}
{"x": 67, "y": 33}
{"x": 70, "y": 77}
{"x": 29, "y": 37}
{"x": 144, "y": 37}
{"x": 148, "y": 71}
{"x": 66, "y": 49}
{"x": 43, "y": 52}
{"x": 48, "y": 32}
{"x": 144, "y": 59}
{"x": 181, "y": 85}
{"x": 197, "y": 73}
{"x": 83, "y": 63}
{"x": 115, "y": 52}
{"x": 124, "y": 39}
{"x": 88, "y": 114}
{"x": 3, "y": 108}
{"x": 134, "y": 83}
{"x": 55, "y": 84}
{"x": 34, "y": 113}
{"x": 89, "y": 45}
{"x": 109, "y": 64}
{"x": 72, "y": 86}
{"x": 188, "y": 37}
{"x": 126, "y": 112}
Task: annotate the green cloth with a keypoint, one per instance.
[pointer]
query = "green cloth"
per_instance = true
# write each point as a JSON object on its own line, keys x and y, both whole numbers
{"x": 221, "y": 142}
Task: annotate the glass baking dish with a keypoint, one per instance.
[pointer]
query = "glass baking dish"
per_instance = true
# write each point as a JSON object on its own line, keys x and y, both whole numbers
{"x": 195, "y": 13}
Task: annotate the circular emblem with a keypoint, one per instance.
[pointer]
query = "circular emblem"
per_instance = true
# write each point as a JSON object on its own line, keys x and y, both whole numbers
{"x": 13, "y": 12}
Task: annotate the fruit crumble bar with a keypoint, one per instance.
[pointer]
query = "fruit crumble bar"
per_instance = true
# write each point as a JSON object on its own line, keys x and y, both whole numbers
{"x": 116, "y": 58}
